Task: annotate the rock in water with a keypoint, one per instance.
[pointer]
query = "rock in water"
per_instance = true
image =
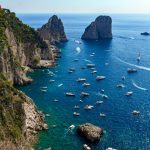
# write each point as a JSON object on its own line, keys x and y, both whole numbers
{"x": 53, "y": 31}
{"x": 101, "y": 28}
{"x": 90, "y": 132}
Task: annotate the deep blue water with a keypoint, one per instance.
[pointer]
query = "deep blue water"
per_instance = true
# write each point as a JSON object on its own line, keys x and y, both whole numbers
{"x": 122, "y": 130}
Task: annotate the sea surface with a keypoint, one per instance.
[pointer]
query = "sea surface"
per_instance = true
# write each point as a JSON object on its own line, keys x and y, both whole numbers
{"x": 122, "y": 130}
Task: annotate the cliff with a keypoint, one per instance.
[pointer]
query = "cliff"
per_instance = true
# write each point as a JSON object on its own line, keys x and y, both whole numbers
{"x": 53, "y": 31}
{"x": 20, "y": 46}
{"x": 101, "y": 28}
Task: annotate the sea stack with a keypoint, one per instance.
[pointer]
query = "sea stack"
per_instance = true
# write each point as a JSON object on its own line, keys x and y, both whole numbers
{"x": 101, "y": 28}
{"x": 53, "y": 31}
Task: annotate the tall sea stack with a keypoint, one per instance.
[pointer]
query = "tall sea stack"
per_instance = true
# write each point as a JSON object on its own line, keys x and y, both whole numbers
{"x": 101, "y": 28}
{"x": 53, "y": 31}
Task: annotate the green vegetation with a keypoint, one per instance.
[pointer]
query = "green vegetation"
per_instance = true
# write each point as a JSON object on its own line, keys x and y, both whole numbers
{"x": 11, "y": 112}
{"x": 22, "y": 32}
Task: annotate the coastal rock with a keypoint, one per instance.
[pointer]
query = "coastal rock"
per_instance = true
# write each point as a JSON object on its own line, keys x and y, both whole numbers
{"x": 101, "y": 28}
{"x": 145, "y": 33}
{"x": 53, "y": 31}
{"x": 90, "y": 132}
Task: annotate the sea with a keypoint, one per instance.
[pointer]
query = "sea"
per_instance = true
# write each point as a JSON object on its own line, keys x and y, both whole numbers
{"x": 112, "y": 58}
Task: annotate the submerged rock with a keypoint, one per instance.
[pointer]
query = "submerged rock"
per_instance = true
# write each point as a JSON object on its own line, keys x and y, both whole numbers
{"x": 53, "y": 31}
{"x": 90, "y": 132}
{"x": 101, "y": 28}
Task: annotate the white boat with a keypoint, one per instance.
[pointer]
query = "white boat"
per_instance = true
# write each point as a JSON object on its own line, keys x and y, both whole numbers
{"x": 81, "y": 79}
{"x": 100, "y": 77}
{"x": 70, "y": 94}
{"x": 136, "y": 112}
{"x": 99, "y": 102}
{"x": 88, "y": 107}
{"x": 120, "y": 86}
{"x": 102, "y": 90}
{"x": 51, "y": 80}
{"x": 60, "y": 85}
{"x": 90, "y": 65}
{"x": 56, "y": 100}
{"x": 94, "y": 72}
{"x": 76, "y": 114}
{"x": 86, "y": 84}
{"x": 104, "y": 96}
{"x": 84, "y": 94}
{"x": 72, "y": 127}
{"x": 71, "y": 69}
{"x": 45, "y": 87}
{"x": 78, "y": 42}
{"x": 129, "y": 93}
{"x": 102, "y": 115}
{"x": 44, "y": 91}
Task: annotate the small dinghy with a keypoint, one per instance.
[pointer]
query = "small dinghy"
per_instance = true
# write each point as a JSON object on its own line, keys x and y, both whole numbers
{"x": 70, "y": 94}
{"x": 72, "y": 127}
{"x": 51, "y": 81}
{"x": 99, "y": 102}
{"x": 104, "y": 96}
{"x": 84, "y": 94}
{"x": 76, "y": 114}
{"x": 130, "y": 70}
{"x": 90, "y": 65}
{"x": 139, "y": 57}
{"x": 102, "y": 91}
{"x": 56, "y": 100}
{"x": 71, "y": 69}
{"x": 136, "y": 112}
{"x": 94, "y": 72}
{"x": 102, "y": 115}
{"x": 86, "y": 84}
{"x": 44, "y": 91}
{"x": 88, "y": 107}
{"x": 120, "y": 86}
{"x": 81, "y": 79}
{"x": 100, "y": 78}
{"x": 76, "y": 107}
{"x": 129, "y": 93}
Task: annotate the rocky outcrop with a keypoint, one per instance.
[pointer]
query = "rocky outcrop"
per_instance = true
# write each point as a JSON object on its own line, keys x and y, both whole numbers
{"x": 90, "y": 132}
{"x": 53, "y": 31}
{"x": 145, "y": 33}
{"x": 101, "y": 28}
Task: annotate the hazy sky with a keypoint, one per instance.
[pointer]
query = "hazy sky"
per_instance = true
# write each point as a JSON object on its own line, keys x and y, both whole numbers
{"x": 77, "y": 6}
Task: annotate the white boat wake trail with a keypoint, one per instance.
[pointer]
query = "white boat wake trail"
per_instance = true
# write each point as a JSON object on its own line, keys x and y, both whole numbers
{"x": 141, "y": 88}
{"x": 87, "y": 60}
{"x": 133, "y": 65}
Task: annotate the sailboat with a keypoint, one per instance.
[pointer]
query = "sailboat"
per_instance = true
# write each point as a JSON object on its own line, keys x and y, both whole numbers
{"x": 139, "y": 57}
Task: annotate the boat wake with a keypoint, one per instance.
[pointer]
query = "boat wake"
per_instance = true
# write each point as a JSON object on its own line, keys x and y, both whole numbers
{"x": 133, "y": 65}
{"x": 87, "y": 61}
{"x": 124, "y": 37}
{"x": 78, "y": 49}
{"x": 51, "y": 73}
{"x": 138, "y": 87}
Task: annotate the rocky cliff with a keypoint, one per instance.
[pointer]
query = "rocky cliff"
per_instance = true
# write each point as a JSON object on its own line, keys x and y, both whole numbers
{"x": 101, "y": 28}
{"x": 53, "y": 31}
{"x": 20, "y": 46}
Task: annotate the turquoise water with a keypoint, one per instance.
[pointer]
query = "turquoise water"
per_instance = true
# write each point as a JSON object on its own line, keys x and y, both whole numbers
{"x": 122, "y": 130}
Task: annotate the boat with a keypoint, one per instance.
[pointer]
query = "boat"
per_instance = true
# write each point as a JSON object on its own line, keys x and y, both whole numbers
{"x": 129, "y": 93}
{"x": 51, "y": 80}
{"x": 56, "y": 100}
{"x": 109, "y": 148}
{"x": 102, "y": 90}
{"x": 130, "y": 70}
{"x": 76, "y": 59}
{"x": 78, "y": 42}
{"x": 99, "y": 102}
{"x": 102, "y": 115}
{"x": 71, "y": 69}
{"x": 76, "y": 107}
{"x": 81, "y": 79}
{"x": 70, "y": 94}
{"x": 44, "y": 91}
{"x": 88, "y": 107}
{"x": 45, "y": 87}
{"x": 94, "y": 72}
{"x": 60, "y": 85}
{"x": 100, "y": 78}
{"x": 72, "y": 127}
{"x": 90, "y": 65}
{"x": 76, "y": 114}
{"x": 139, "y": 57}
{"x": 136, "y": 112}
{"x": 86, "y": 147}
{"x": 83, "y": 94}
{"x": 104, "y": 96}
{"x": 120, "y": 86}
{"x": 86, "y": 84}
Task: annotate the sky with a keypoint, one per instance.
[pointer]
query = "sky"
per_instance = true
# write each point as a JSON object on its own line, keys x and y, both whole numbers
{"x": 77, "y": 6}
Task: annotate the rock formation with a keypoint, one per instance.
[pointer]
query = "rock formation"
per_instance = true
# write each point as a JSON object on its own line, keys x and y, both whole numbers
{"x": 53, "y": 31}
{"x": 145, "y": 33}
{"x": 90, "y": 132}
{"x": 101, "y": 28}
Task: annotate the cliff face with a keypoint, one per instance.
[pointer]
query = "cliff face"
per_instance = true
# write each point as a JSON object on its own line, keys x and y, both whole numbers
{"x": 101, "y": 28}
{"x": 53, "y": 31}
{"x": 20, "y": 46}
